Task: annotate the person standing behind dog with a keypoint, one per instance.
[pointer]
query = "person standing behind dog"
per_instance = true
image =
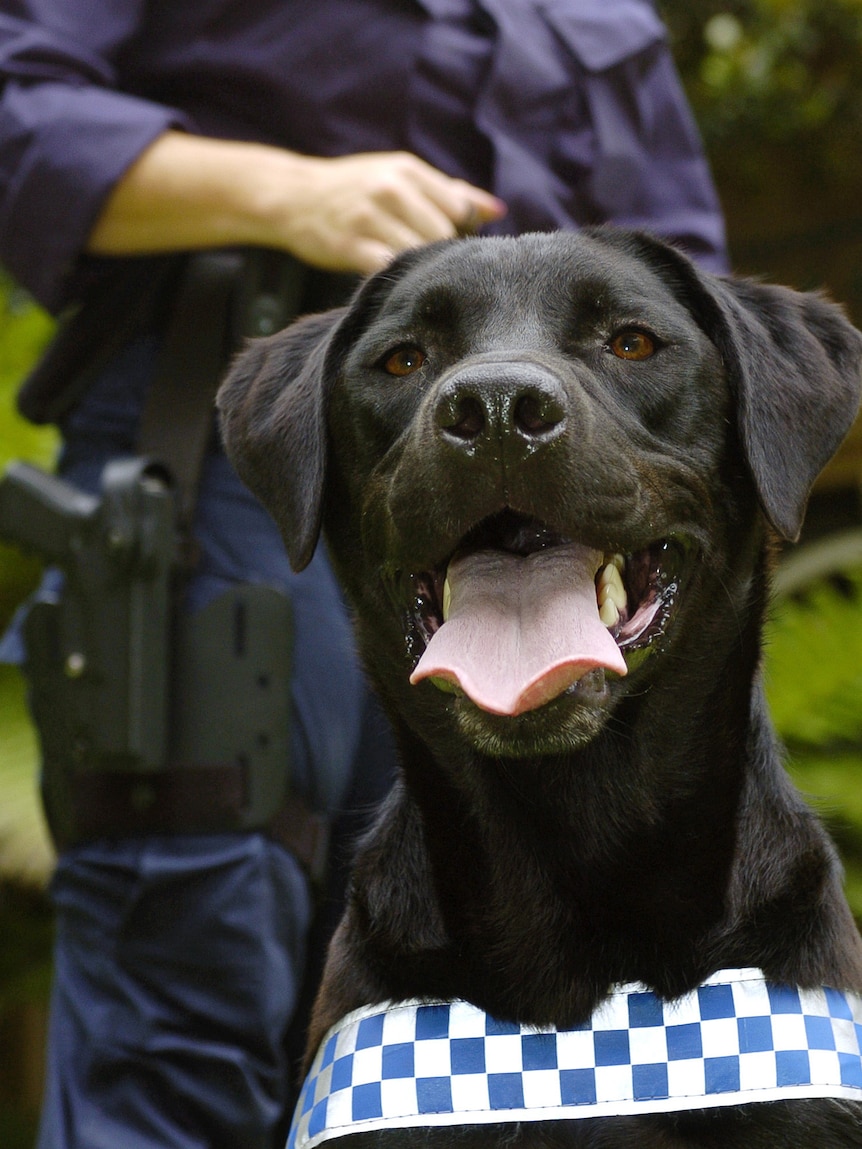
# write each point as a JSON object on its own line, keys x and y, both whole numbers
{"x": 339, "y": 132}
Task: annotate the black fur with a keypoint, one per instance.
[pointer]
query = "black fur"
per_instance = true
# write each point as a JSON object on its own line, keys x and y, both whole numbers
{"x": 640, "y": 829}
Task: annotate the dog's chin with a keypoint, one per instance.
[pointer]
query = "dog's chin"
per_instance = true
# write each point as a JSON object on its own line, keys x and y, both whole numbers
{"x": 567, "y": 723}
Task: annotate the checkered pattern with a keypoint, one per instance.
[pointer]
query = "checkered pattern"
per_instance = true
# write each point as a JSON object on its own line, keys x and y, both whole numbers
{"x": 738, "y": 1038}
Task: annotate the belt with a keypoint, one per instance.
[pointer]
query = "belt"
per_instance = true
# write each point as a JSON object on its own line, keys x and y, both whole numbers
{"x": 114, "y": 804}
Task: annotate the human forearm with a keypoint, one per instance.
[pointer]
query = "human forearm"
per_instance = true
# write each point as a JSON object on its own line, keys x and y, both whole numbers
{"x": 350, "y": 214}
{"x": 182, "y": 192}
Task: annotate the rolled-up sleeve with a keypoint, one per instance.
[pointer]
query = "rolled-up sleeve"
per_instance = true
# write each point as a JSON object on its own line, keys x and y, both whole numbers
{"x": 66, "y": 137}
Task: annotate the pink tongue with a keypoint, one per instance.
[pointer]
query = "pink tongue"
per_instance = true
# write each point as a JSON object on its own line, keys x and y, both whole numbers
{"x": 520, "y": 630}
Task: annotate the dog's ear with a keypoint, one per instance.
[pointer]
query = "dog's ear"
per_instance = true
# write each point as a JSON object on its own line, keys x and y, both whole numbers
{"x": 794, "y": 364}
{"x": 793, "y": 360}
{"x": 272, "y": 405}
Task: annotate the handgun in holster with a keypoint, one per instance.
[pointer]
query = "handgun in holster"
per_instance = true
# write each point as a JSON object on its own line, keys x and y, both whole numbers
{"x": 152, "y": 719}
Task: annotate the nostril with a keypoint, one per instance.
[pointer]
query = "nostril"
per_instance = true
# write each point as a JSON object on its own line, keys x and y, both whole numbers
{"x": 492, "y": 403}
{"x": 538, "y": 412}
{"x": 464, "y": 419}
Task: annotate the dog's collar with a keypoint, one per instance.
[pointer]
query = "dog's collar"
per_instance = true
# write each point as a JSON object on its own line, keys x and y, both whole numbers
{"x": 737, "y": 1039}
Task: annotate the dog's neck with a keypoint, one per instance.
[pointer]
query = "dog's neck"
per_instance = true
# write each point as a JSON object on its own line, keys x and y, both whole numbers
{"x": 557, "y": 857}
{"x": 535, "y": 885}
{"x": 532, "y": 858}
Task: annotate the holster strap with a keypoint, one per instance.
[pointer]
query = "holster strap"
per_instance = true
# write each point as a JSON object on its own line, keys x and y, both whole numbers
{"x": 179, "y": 413}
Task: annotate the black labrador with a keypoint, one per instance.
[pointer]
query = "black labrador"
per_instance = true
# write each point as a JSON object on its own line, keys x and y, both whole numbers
{"x": 551, "y": 472}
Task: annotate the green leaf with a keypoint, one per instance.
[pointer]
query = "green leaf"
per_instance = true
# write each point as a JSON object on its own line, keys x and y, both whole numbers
{"x": 814, "y": 663}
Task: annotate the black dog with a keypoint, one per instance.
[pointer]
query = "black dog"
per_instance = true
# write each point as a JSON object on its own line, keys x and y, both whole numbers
{"x": 578, "y": 450}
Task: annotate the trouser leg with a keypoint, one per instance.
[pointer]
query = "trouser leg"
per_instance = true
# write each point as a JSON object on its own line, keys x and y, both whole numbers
{"x": 177, "y": 965}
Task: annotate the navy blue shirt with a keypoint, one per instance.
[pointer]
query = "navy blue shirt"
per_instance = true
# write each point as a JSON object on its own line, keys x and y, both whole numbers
{"x": 179, "y": 958}
{"x": 569, "y": 110}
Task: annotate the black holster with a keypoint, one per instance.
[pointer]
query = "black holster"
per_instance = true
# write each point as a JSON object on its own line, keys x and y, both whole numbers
{"x": 153, "y": 720}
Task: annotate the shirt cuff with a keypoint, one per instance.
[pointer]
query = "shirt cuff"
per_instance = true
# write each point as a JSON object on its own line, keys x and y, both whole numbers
{"x": 69, "y": 146}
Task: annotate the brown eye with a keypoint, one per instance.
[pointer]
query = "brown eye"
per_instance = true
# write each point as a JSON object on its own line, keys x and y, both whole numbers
{"x": 633, "y": 345}
{"x": 404, "y": 361}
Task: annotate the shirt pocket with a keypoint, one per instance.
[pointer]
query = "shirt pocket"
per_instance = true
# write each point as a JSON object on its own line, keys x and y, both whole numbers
{"x": 601, "y": 35}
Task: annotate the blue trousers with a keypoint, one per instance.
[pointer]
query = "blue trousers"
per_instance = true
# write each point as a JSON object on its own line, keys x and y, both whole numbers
{"x": 178, "y": 959}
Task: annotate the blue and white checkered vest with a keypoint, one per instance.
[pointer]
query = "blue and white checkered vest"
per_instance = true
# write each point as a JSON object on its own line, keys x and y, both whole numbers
{"x": 737, "y": 1039}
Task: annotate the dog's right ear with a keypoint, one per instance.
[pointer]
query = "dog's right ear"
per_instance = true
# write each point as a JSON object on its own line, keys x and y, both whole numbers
{"x": 273, "y": 420}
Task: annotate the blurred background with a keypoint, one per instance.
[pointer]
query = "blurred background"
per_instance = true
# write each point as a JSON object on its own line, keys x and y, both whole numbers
{"x": 776, "y": 86}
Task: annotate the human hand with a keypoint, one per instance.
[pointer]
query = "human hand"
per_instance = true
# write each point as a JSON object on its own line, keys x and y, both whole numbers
{"x": 354, "y": 213}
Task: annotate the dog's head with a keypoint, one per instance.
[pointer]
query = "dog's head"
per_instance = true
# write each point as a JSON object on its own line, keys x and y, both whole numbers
{"x": 534, "y": 458}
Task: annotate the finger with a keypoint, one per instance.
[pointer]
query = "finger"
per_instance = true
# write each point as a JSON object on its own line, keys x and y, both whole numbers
{"x": 467, "y": 206}
{"x": 481, "y": 208}
{"x": 407, "y": 216}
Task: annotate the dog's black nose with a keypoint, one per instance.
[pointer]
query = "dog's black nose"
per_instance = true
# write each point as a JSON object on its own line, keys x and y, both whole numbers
{"x": 501, "y": 402}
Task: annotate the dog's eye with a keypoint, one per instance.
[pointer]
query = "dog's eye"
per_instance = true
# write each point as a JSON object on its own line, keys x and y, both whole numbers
{"x": 633, "y": 344}
{"x": 403, "y": 360}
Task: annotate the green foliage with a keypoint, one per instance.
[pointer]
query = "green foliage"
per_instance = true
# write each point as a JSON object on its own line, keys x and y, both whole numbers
{"x": 779, "y": 69}
{"x": 17, "y": 1131}
{"x": 26, "y": 923}
{"x": 24, "y": 330}
{"x": 814, "y": 685}
{"x": 26, "y": 854}
{"x": 830, "y": 782}
{"x": 815, "y": 665}
{"x": 789, "y": 73}
{"x": 776, "y": 88}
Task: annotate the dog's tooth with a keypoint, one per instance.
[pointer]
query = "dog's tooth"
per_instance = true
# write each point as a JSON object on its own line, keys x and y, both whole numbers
{"x": 447, "y": 599}
{"x": 609, "y": 612}
{"x": 610, "y": 586}
{"x": 615, "y": 560}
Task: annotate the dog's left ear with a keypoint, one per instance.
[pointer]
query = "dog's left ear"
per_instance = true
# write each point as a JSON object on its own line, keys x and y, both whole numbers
{"x": 793, "y": 360}
{"x": 272, "y": 405}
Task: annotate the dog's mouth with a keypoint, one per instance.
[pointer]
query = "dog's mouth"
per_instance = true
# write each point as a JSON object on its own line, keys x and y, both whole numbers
{"x": 521, "y": 614}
